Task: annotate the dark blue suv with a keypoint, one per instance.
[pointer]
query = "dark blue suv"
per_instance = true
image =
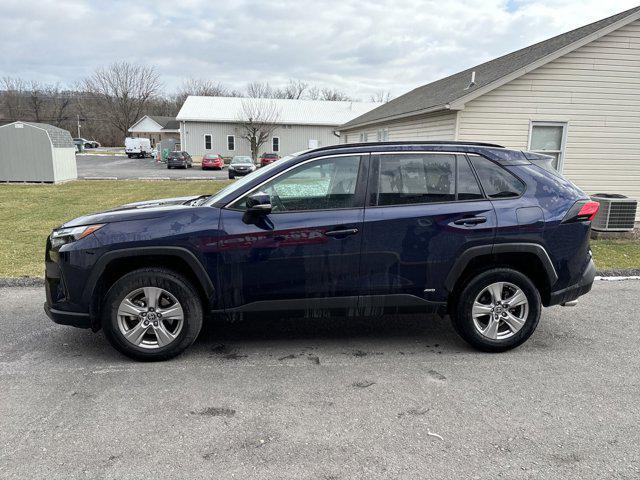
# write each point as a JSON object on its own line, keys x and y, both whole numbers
{"x": 483, "y": 233}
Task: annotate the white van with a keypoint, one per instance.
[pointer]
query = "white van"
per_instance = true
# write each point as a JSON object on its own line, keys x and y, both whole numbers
{"x": 137, "y": 147}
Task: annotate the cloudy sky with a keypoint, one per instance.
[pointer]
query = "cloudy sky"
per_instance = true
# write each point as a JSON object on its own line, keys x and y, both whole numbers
{"x": 357, "y": 46}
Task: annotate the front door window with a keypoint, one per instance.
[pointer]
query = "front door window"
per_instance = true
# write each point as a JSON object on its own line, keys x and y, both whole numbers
{"x": 317, "y": 185}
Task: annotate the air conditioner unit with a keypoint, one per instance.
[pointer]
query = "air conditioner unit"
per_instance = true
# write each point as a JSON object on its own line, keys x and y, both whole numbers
{"x": 617, "y": 213}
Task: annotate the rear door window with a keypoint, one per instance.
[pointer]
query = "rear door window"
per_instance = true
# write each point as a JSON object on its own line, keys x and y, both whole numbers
{"x": 468, "y": 188}
{"x": 416, "y": 178}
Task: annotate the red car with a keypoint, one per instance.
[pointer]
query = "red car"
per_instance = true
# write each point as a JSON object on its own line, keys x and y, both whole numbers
{"x": 211, "y": 160}
{"x": 267, "y": 158}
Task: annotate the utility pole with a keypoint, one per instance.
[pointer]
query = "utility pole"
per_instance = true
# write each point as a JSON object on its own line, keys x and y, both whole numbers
{"x": 78, "y": 126}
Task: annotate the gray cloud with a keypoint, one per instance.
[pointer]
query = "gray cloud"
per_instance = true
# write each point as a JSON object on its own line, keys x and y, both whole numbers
{"x": 360, "y": 47}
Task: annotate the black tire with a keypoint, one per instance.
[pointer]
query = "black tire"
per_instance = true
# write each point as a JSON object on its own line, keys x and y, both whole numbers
{"x": 462, "y": 318}
{"x": 168, "y": 167}
{"x": 173, "y": 283}
{"x": 129, "y": 155}
{"x": 231, "y": 176}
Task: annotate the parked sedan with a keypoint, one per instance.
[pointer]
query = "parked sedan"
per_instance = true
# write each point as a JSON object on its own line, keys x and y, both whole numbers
{"x": 86, "y": 143}
{"x": 267, "y": 158}
{"x": 240, "y": 165}
{"x": 212, "y": 160}
{"x": 179, "y": 160}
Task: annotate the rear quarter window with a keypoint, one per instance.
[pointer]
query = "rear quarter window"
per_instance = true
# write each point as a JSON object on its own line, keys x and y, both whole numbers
{"x": 496, "y": 181}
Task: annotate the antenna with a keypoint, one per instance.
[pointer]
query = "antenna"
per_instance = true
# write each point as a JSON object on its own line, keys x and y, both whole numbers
{"x": 473, "y": 80}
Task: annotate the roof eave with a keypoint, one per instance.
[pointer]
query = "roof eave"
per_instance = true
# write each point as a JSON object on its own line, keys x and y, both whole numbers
{"x": 413, "y": 113}
{"x": 460, "y": 102}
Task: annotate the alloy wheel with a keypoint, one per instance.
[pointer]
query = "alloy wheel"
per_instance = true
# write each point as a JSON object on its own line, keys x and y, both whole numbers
{"x": 150, "y": 317}
{"x": 500, "y": 310}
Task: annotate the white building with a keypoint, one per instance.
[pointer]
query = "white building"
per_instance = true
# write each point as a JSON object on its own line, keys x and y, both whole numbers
{"x": 155, "y": 128}
{"x": 575, "y": 96}
{"x": 213, "y": 124}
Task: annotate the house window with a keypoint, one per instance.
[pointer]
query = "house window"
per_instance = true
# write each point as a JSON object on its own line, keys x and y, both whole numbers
{"x": 275, "y": 143}
{"x": 364, "y": 137}
{"x": 383, "y": 135}
{"x": 231, "y": 142}
{"x": 207, "y": 142}
{"x": 549, "y": 138}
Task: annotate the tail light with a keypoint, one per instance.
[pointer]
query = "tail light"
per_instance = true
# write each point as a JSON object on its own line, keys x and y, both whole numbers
{"x": 582, "y": 211}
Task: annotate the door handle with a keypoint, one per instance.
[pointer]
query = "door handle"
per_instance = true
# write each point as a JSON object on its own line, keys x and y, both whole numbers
{"x": 470, "y": 221}
{"x": 341, "y": 233}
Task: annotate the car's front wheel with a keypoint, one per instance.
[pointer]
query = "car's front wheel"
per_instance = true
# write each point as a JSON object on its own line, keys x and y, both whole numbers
{"x": 498, "y": 310}
{"x": 152, "y": 314}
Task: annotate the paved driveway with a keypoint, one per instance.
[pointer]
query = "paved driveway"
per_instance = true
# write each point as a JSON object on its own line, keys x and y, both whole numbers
{"x": 399, "y": 397}
{"x": 121, "y": 167}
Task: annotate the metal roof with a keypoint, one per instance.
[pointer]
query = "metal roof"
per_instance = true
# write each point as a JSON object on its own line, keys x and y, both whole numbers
{"x": 60, "y": 138}
{"x": 439, "y": 94}
{"x": 290, "y": 112}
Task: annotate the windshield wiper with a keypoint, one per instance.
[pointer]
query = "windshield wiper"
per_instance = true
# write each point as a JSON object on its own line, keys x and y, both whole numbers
{"x": 197, "y": 201}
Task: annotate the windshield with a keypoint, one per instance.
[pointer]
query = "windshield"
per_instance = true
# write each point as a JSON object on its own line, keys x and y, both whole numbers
{"x": 263, "y": 172}
{"x": 241, "y": 160}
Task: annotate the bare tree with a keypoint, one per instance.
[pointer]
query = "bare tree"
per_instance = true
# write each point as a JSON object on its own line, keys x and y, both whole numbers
{"x": 259, "y": 90}
{"x": 204, "y": 88}
{"x": 124, "y": 90}
{"x": 258, "y": 120}
{"x": 294, "y": 90}
{"x": 333, "y": 95}
{"x": 381, "y": 96}
{"x": 13, "y": 98}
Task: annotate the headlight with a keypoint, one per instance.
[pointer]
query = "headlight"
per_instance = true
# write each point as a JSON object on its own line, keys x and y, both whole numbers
{"x": 62, "y": 236}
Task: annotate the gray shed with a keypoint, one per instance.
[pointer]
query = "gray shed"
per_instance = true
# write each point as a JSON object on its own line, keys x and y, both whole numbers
{"x": 36, "y": 152}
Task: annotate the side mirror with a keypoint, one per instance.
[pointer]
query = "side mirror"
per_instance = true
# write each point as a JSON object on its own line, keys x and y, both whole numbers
{"x": 259, "y": 203}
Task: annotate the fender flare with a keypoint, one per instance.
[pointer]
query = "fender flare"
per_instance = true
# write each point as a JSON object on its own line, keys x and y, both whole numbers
{"x": 473, "y": 252}
{"x": 180, "y": 252}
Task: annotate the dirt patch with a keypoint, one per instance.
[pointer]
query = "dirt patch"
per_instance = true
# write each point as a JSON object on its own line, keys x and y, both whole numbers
{"x": 363, "y": 384}
{"x": 436, "y": 375}
{"x": 216, "y": 412}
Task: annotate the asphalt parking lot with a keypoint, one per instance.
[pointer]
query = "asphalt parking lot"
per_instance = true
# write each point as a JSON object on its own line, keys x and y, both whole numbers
{"x": 392, "y": 397}
{"x": 120, "y": 167}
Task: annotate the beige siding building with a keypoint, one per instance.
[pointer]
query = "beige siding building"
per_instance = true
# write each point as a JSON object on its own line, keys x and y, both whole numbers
{"x": 214, "y": 124}
{"x": 575, "y": 97}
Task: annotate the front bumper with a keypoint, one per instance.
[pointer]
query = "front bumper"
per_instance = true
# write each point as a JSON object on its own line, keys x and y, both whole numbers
{"x": 572, "y": 292}
{"x": 240, "y": 172}
{"x": 74, "y": 319}
{"x": 64, "y": 303}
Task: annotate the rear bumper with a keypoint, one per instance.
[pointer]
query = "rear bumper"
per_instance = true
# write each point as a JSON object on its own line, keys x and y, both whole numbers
{"x": 74, "y": 319}
{"x": 576, "y": 290}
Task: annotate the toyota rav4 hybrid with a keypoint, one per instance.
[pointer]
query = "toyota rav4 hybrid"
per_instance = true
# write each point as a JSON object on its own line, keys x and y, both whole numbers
{"x": 483, "y": 233}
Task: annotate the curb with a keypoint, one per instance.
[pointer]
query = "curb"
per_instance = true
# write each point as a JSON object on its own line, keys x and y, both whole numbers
{"x": 202, "y": 179}
{"x": 22, "y": 282}
{"x": 620, "y": 273}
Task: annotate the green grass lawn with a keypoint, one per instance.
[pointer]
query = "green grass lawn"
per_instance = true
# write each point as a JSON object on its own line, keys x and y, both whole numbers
{"x": 616, "y": 254}
{"x": 29, "y": 212}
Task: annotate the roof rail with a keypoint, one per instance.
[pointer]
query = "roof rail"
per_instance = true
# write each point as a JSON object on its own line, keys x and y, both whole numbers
{"x": 429, "y": 142}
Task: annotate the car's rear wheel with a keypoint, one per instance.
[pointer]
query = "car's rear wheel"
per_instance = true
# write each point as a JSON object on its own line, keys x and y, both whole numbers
{"x": 231, "y": 175}
{"x": 152, "y": 314}
{"x": 498, "y": 310}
